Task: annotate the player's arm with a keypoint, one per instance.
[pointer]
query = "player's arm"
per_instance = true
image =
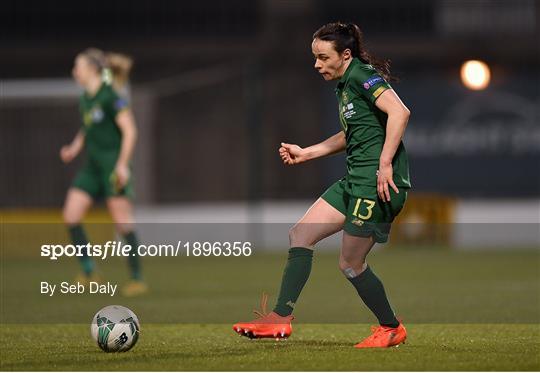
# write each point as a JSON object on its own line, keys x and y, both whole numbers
{"x": 294, "y": 154}
{"x": 398, "y": 116}
{"x": 126, "y": 124}
{"x": 69, "y": 152}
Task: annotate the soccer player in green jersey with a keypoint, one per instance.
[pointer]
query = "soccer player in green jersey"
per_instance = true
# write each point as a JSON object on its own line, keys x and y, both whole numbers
{"x": 108, "y": 136}
{"x": 365, "y": 202}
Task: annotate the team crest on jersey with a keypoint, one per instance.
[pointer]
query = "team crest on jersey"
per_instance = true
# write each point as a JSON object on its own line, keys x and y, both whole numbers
{"x": 95, "y": 115}
{"x": 344, "y": 97}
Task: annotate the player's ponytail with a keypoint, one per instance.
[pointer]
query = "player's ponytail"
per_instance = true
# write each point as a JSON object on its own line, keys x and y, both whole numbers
{"x": 113, "y": 67}
{"x": 120, "y": 66}
{"x": 349, "y": 36}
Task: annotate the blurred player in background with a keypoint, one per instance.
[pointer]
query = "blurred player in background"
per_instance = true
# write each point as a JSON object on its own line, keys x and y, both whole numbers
{"x": 108, "y": 136}
{"x": 365, "y": 202}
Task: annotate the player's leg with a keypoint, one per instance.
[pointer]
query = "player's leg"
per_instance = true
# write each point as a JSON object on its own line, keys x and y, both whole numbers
{"x": 75, "y": 208}
{"x": 352, "y": 262}
{"x": 320, "y": 221}
{"x": 324, "y": 218}
{"x": 121, "y": 210}
{"x": 86, "y": 188}
{"x": 368, "y": 221}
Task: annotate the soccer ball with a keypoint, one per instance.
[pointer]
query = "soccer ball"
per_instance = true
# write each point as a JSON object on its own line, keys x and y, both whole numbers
{"x": 115, "y": 329}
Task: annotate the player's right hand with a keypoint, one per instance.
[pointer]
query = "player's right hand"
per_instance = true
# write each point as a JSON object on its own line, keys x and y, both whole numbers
{"x": 67, "y": 154}
{"x": 291, "y": 154}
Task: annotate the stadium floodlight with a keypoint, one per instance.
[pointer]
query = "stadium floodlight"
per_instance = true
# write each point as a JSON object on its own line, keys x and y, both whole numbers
{"x": 475, "y": 75}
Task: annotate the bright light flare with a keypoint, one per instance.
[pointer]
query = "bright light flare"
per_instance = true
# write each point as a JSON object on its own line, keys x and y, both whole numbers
{"x": 475, "y": 75}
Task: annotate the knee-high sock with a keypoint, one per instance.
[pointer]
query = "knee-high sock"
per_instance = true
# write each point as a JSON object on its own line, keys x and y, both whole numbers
{"x": 134, "y": 262}
{"x": 78, "y": 237}
{"x": 371, "y": 290}
{"x": 294, "y": 278}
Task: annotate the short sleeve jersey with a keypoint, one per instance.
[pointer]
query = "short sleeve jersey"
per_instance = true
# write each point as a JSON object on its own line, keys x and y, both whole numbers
{"x": 102, "y": 134}
{"x": 364, "y": 125}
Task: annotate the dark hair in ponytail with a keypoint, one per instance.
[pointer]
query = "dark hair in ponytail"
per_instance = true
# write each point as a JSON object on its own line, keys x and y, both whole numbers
{"x": 349, "y": 36}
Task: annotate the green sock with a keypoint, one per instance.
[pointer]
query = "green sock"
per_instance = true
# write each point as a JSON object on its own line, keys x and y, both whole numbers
{"x": 371, "y": 290}
{"x": 78, "y": 237}
{"x": 134, "y": 262}
{"x": 294, "y": 278}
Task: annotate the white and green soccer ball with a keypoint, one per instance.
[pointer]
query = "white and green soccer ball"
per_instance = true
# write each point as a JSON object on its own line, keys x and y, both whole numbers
{"x": 115, "y": 329}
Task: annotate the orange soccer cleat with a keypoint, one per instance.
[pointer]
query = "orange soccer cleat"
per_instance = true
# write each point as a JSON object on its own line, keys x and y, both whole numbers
{"x": 383, "y": 336}
{"x": 267, "y": 325}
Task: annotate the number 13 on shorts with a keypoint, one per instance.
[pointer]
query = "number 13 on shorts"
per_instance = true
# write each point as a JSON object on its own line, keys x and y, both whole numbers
{"x": 363, "y": 209}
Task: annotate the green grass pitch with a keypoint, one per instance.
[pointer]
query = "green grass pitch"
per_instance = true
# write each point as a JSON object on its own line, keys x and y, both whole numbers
{"x": 463, "y": 311}
{"x": 313, "y": 347}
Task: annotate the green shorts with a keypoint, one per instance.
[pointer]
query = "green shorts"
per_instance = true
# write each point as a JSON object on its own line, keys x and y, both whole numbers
{"x": 365, "y": 214}
{"x": 97, "y": 178}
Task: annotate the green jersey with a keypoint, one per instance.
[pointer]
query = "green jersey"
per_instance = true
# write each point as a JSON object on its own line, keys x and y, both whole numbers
{"x": 103, "y": 141}
{"x": 102, "y": 135}
{"x": 365, "y": 126}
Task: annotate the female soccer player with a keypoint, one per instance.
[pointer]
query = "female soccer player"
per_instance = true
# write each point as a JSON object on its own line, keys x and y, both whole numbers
{"x": 108, "y": 135}
{"x": 365, "y": 202}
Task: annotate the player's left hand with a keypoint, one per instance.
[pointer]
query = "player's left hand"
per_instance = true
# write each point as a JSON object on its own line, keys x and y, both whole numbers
{"x": 122, "y": 175}
{"x": 384, "y": 178}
